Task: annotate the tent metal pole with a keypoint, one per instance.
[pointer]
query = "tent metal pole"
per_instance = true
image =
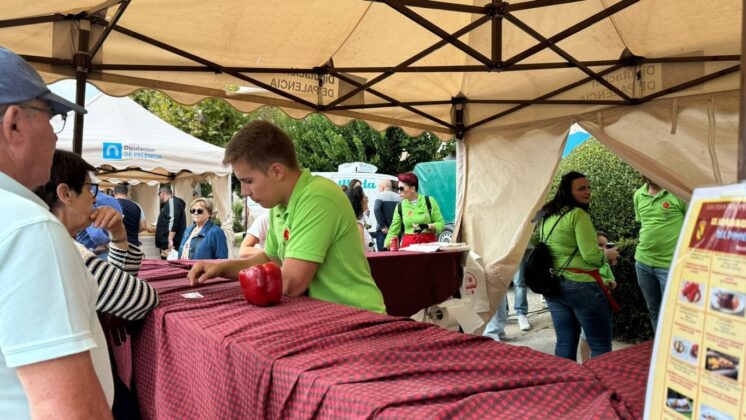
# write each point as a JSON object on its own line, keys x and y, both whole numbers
{"x": 82, "y": 64}
{"x": 741, "y": 174}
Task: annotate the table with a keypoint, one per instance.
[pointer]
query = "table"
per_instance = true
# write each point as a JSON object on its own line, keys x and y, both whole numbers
{"x": 411, "y": 281}
{"x": 219, "y": 357}
{"x": 625, "y": 373}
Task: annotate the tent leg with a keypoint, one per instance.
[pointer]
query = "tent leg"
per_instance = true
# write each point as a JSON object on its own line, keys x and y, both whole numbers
{"x": 82, "y": 63}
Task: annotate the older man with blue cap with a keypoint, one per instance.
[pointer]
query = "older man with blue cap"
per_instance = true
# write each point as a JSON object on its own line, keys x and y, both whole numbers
{"x": 53, "y": 356}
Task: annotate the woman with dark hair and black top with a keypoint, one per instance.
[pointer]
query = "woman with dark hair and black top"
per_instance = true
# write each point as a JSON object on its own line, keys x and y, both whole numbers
{"x": 359, "y": 202}
{"x": 581, "y": 301}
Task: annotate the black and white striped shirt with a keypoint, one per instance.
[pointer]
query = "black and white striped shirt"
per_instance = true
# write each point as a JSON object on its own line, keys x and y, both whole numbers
{"x": 120, "y": 292}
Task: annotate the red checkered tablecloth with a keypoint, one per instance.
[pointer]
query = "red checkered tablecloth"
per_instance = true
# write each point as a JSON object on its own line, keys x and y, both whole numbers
{"x": 625, "y": 372}
{"x": 218, "y": 357}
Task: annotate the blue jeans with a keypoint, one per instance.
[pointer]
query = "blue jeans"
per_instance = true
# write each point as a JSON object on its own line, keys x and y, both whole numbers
{"x": 495, "y": 329}
{"x": 521, "y": 300}
{"x": 652, "y": 282}
{"x": 579, "y": 305}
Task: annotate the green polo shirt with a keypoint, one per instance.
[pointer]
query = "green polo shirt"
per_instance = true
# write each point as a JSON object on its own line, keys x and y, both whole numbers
{"x": 415, "y": 213}
{"x": 606, "y": 274}
{"x": 574, "y": 230}
{"x": 318, "y": 225}
{"x": 661, "y": 218}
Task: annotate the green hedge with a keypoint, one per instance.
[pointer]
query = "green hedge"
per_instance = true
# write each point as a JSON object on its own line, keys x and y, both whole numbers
{"x": 613, "y": 184}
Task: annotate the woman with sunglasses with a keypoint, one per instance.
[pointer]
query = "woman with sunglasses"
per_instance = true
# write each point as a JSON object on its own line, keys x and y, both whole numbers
{"x": 121, "y": 295}
{"x": 418, "y": 214}
{"x": 204, "y": 240}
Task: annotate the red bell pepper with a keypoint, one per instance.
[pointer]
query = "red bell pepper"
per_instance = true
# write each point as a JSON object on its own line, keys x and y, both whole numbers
{"x": 262, "y": 284}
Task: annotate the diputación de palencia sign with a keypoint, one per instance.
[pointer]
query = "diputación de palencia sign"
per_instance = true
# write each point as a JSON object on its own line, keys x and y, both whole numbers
{"x": 306, "y": 83}
{"x": 627, "y": 81}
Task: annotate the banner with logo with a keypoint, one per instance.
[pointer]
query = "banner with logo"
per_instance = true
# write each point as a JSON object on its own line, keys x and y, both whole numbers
{"x": 697, "y": 365}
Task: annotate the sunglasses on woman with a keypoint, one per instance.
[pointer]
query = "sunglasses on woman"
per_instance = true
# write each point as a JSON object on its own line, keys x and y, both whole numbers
{"x": 402, "y": 189}
{"x": 196, "y": 211}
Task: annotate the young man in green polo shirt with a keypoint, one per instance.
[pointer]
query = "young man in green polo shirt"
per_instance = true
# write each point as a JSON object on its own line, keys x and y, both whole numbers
{"x": 312, "y": 233}
{"x": 661, "y": 216}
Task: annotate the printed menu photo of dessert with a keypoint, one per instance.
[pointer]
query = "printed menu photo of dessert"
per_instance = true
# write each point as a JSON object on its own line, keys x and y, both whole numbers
{"x": 679, "y": 403}
{"x": 684, "y": 350}
{"x": 721, "y": 364}
{"x": 691, "y": 292}
{"x": 727, "y": 302}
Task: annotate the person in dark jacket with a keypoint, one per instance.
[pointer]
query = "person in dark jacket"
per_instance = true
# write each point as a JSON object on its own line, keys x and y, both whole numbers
{"x": 171, "y": 221}
{"x": 203, "y": 240}
{"x": 134, "y": 218}
{"x": 384, "y": 209}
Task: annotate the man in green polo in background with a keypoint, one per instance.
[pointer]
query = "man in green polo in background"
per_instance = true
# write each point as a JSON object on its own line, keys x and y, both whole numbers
{"x": 661, "y": 216}
{"x": 313, "y": 233}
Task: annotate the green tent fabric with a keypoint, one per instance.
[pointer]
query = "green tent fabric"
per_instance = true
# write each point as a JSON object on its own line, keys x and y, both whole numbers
{"x": 438, "y": 180}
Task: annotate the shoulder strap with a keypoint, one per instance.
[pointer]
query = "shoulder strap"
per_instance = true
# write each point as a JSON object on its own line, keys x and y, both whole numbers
{"x": 552, "y": 229}
{"x": 401, "y": 216}
{"x": 429, "y": 207}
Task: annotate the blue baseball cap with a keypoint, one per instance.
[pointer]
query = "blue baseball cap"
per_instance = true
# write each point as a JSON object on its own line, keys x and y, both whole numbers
{"x": 20, "y": 83}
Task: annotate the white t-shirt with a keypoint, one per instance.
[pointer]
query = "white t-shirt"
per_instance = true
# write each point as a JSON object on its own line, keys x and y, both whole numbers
{"x": 259, "y": 229}
{"x": 47, "y": 297}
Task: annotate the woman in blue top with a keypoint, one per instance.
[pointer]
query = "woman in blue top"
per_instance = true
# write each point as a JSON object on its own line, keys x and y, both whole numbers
{"x": 204, "y": 240}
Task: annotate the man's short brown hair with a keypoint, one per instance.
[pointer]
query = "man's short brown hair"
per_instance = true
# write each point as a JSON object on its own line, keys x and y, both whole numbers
{"x": 260, "y": 144}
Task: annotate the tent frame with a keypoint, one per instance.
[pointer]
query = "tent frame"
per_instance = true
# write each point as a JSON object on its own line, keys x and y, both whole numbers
{"x": 495, "y": 11}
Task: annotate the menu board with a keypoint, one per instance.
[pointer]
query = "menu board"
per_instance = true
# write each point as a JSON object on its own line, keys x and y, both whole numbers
{"x": 697, "y": 366}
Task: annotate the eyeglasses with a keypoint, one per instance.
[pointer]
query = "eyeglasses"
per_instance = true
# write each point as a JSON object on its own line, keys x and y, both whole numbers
{"x": 56, "y": 120}
{"x": 93, "y": 188}
{"x": 196, "y": 211}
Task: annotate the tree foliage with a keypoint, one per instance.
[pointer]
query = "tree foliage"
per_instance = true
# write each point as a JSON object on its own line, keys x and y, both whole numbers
{"x": 613, "y": 184}
{"x": 321, "y": 145}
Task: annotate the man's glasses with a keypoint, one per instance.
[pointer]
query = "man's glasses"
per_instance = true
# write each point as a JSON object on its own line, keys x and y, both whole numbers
{"x": 196, "y": 211}
{"x": 56, "y": 120}
{"x": 93, "y": 188}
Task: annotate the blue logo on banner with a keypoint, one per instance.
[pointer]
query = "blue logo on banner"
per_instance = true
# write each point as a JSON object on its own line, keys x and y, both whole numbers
{"x": 112, "y": 151}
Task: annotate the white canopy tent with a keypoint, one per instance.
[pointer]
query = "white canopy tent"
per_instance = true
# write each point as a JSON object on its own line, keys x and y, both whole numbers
{"x": 127, "y": 143}
{"x": 657, "y": 81}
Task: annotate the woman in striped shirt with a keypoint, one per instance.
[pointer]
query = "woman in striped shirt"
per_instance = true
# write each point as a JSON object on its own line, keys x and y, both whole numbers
{"x": 121, "y": 295}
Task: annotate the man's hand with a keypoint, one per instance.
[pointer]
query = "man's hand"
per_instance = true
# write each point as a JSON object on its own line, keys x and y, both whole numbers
{"x": 203, "y": 271}
{"x": 114, "y": 327}
{"x": 109, "y": 219}
{"x": 385, "y": 230}
{"x": 611, "y": 285}
{"x": 170, "y": 244}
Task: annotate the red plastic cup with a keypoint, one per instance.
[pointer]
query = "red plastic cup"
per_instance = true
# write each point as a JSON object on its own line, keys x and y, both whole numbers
{"x": 394, "y": 244}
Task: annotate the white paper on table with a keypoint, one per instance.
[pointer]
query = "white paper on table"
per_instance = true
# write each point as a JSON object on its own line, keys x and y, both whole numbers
{"x": 192, "y": 295}
{"x": 436, "y": 246}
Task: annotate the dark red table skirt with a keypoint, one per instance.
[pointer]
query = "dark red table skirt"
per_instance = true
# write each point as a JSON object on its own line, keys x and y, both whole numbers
{"x": 219, "y": 358}
{"x": 411, "y": 281}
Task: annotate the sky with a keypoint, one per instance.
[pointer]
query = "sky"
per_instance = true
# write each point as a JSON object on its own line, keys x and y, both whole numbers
{"x": 66, "y": 89}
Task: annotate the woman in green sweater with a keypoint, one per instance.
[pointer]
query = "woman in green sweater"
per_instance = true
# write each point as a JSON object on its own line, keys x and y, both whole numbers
{"x": 574, "y": 250}
{"x": 418, "y": 215}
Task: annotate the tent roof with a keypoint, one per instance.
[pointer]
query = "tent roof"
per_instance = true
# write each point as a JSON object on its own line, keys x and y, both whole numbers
{"x": 507, "y": 63}
{"x": 119, "y": 135}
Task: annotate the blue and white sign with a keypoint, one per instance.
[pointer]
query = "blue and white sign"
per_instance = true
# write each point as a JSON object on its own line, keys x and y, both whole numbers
{"x": 112, "y": 151}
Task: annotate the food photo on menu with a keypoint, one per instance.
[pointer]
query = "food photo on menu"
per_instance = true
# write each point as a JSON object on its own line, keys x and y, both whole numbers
{"x": 709, "y": 413}
{"x": 727, "y": 302}
{"x": 684, "y": 350}
{"x": 691, "y": 292}
{"x": 721, "y": 364}
{"x": 679, "y": 403}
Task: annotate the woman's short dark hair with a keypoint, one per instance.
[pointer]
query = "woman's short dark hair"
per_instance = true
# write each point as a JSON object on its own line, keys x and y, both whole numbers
{"x": 356, "y": 195}
{"x": 563, "y": 197}
{"x": 602, "y": 233}
{"x": 67, "y": 168}
{"x": 410, "y": 179}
